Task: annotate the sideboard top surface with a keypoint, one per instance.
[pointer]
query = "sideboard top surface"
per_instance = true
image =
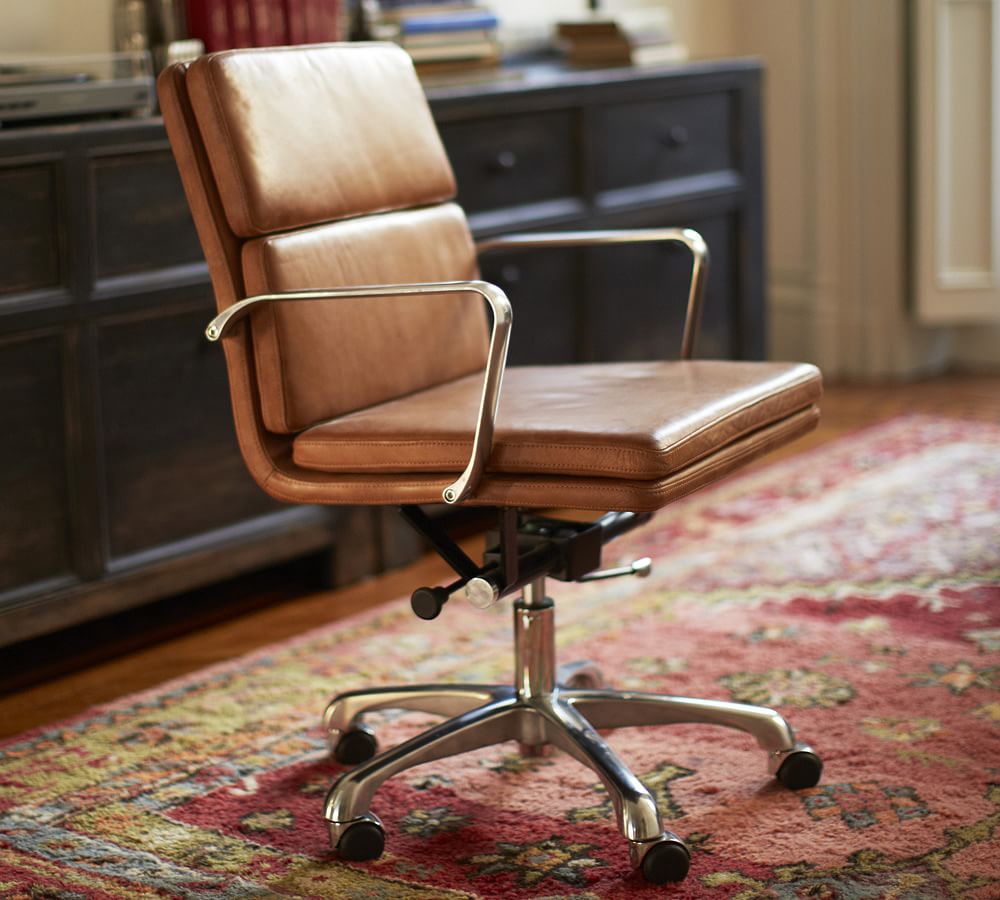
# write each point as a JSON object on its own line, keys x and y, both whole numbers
{"x": 521, "y": 79}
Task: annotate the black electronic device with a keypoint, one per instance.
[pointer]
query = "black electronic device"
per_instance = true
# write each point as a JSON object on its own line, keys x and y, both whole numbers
{"x": 46, "y": 88}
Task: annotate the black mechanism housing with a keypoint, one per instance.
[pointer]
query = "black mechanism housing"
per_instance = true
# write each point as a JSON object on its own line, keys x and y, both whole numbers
{"x": 522, "y": 548}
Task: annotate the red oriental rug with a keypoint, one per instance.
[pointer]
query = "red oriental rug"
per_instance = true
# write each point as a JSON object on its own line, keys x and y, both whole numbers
{"x": 856, "y": 588}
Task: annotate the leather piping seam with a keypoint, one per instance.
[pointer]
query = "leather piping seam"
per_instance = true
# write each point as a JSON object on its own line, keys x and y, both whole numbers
{"x": 230, "y": 148}
{"x": 654, "y": 489}
{"x": 650, "y": 456}
{"x": 244, "y": 376}
{"x": 260, "y": 263}
{"x": 800, "y": 382}
{"x": 265, "y": 272}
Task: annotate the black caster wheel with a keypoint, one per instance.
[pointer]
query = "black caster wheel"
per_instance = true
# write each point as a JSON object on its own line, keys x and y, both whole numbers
{"x": 356, "y": 745}
{"x": 361, "y": 842}
{"x": 666, "y": 862}
{"x": 582, "y": 676}
{"x": 801, "y": 769}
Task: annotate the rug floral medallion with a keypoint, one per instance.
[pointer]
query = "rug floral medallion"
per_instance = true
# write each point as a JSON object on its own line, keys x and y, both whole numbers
{"x": 856, "y": 588}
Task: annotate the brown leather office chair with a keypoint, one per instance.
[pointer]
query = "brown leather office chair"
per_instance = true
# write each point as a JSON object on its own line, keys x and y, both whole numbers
{"x": 355, "y": 336}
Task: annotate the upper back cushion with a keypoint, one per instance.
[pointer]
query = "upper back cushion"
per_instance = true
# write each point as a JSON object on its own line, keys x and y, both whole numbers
{"x": 329, "y": 167}
{"x": 298, "y": 136}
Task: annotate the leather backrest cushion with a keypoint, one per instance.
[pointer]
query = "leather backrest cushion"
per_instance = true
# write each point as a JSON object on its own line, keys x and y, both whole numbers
{"x": 319, "y": 359}
{"x": 299, "y": 136}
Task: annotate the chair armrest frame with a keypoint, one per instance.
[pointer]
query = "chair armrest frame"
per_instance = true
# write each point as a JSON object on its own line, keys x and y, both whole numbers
{"x": 686, "y": 236}
{"x": 482, "y": 441}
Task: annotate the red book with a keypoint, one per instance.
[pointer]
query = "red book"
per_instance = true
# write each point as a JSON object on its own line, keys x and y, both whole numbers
{"x": 279, "y": 21}
{"x": 240, "y": 30}
{"x": 311, "y": 16}
{"x": 295, "y": 21}
{"x": 267, "y": 21}
{"x": 208, "y": 21}
{"x": 322, "y": 21}
{"x": 333, "y": 20}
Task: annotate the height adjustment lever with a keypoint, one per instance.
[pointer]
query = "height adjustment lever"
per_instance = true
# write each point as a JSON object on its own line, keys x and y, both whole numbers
{"x": 641, "y": 568}
{"x": 427, "y": 602}
{"x": 481, "y": 592}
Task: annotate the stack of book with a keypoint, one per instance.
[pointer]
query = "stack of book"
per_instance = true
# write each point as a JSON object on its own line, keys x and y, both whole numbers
{"x": 636, "y": 37}
{"x": 441, "y": 37}
{"x": 224, "y": 24}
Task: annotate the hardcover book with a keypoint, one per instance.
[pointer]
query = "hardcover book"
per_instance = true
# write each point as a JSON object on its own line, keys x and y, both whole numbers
{"x": 240, "y": 29}
{"x": 295, "y": 21}
{"x": 267, "y": 23}
{"x": 321, "y": 21}
{"x": 208, "y": 20}
{"x": 453, "y": 20}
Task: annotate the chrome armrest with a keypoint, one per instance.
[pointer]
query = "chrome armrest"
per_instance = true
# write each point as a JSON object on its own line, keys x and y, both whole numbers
{"x": 690, "y": 239}
{"x": 482, "y": 441}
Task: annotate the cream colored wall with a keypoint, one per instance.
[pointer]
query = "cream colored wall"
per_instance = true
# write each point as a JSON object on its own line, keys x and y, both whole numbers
{"x": 55, "y": 26}
{"x": 777, "y": 31}
{"x": 837, "y": 152}
{"x": 707, "y": 27}
{"x": 977, "y": 348}
{"x": 835, "y": 170}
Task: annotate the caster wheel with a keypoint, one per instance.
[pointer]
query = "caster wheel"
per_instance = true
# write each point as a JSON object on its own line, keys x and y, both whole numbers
{"x": 665, "y": 862}
{"x": 362, "y": 841}
{"x": 801, "y": 769}
{"x": 586, "y": 681}
{"x": 581, "y": 676}
{"x": 356, "y": 745}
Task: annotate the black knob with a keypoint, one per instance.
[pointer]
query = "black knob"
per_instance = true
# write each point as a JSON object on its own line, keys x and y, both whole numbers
{"x": 427, "y": 603}
{"x": 676, "y": 137}
{"x": 504, "y": 161}
{"x": 509, "y": 274}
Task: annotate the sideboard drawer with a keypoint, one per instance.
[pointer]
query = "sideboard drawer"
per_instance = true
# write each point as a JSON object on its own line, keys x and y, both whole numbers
{"x": 142, "y": 222}
{"x": 34, "y": 496}
{"x": 655, "y": 140}
{"x": 32, "y": 226}
{"x": 172, "y": 468}
{"x": 513, "y": 160}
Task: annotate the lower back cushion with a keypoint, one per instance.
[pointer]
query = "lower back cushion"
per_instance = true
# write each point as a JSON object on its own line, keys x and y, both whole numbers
{"x": 318, "y": 359}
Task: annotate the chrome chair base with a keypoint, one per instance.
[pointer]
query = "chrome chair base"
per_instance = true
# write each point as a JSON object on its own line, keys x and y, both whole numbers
{"x": 563, "y": 708}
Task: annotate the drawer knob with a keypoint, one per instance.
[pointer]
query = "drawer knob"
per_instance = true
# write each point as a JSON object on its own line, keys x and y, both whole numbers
{"x": 504, "y": 161}
{"x": 510, "y": 274}
{"x": 676, "y": 137}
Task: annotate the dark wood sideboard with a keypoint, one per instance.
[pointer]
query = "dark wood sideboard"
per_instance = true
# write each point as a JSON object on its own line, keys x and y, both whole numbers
{"x": 120, "y": 480}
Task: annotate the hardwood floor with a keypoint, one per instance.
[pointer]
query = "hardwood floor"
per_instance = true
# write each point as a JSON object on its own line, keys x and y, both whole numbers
{"x": 845, "y": 408}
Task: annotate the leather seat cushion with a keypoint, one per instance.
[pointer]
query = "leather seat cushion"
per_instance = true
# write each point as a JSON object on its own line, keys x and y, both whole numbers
{"x": 638, "y": 421}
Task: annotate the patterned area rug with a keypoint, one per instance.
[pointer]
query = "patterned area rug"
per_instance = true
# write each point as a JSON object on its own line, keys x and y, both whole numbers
{"x": 856, "y": 588}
